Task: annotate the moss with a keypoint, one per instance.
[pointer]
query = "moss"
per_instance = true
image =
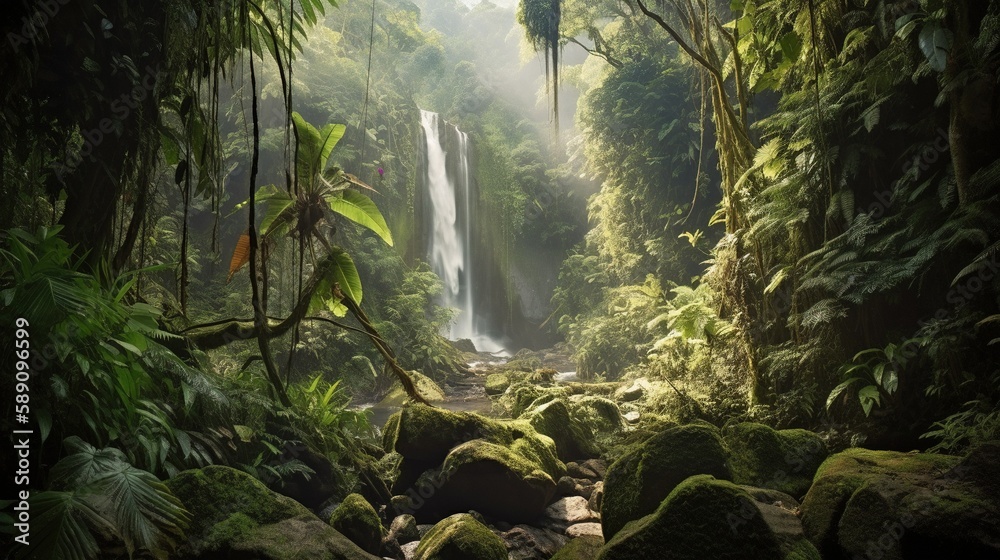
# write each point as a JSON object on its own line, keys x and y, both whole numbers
{"x": 214, "y": 493}
{"x": 426, "y": 386}
{"x": 460, "y": 537}
{"x": 573, "y": 439}
{"x": 427, "y": 434}
{"x": 638, "y": 482}
{"x": 497, "y": 383}
{"x": 234, "y": 528}
{"x": 600, "y": 414}
{"x": 702, "y": 517}
{"x": 357, "y": 520}
{"x": 781, "y": 460}
{"x": 582, "y": 548}
{"x": 843, "y": 475}
{"x": 391, "y": 431}
{"x": 235, "y": 516}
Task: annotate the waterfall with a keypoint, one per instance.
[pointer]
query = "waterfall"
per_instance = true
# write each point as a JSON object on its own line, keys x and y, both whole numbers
{"x": 450, "y": 217}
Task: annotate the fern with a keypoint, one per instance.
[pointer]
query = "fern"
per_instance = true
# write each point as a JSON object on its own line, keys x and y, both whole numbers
{"x": 96, "y": 492}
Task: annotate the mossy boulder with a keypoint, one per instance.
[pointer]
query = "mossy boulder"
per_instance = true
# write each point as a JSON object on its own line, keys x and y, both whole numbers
{"x": 426, "y": 386}
{"x": 357, "y": 520}
{"x": 901, "y": 506}
{"x": 602, "y": 415}
{"x": 783, "y": 460}
{"x": 460, "y": 537}
{"x": 574, "y": 440}
{"x": 458, "y": 461}
{"x": 390, "y": 431}
{"x": 703, "y": 517}
{"x": 638, "y": 482}
{"x": 582, "y": 548}
{"x": 236, "y": 516}
{"x": 497, "y": 383}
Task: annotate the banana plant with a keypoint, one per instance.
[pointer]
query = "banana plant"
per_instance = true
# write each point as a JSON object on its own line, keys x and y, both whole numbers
{"x": 322, "y": 192}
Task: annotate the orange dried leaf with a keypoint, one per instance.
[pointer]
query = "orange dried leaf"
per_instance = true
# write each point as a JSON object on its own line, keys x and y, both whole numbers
{"x": 241, "y": 255}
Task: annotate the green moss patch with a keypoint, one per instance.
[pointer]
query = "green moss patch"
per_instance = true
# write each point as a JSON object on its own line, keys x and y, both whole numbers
{"x": 460, "y": 537}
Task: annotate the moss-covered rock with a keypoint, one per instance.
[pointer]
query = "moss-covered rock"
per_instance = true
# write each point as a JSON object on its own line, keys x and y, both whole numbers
{"x": 456, "y": 461}
{"x": 235, "y": 515}
{"x": 600, "y": 414}
{"x": 783, "y": 460}
{"x": 426, "y": 386}
{"x": 573, "y": 438}
{"x": 581, "y": 548}
{"x": 900, "y": 506}
{"x": 638, "y": 482}
{"x": 460, "y": 537}
{"x": 357, "y": 520}
{"x": 390, "y": 431}
{"x": 497, "y": 383}
{"x": 705, "y": 518}
{"x": 493, "y": 479}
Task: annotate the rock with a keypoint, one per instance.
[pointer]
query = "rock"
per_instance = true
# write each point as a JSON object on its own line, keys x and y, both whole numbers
{"x": 772, "y": 497}
{"x": 783, "y": 460}
{"x": 633, "y": 392}
{"x": 390, "y": 548}
{"x": 497, "y": 383}
{"x": 584, "y": 488}
{"x": 494, "y": 479}
{"x": 582, "y": 548}
{"x": 566, "y": 486}
{"x": 707, "y": 518}
{"x": 464, "y": 345}
{"x": 585, "y": 530}
{"x": 576, "y": 470}
{"x": 639, "y": 480}
{"x": 573, "y": 439}
{"x": 356, "y": 519}
{"x": 597, "y": 466}
{"x": 409, "y": 549}
{"x": 460, "y": 537}
{"x": 525, "y": 542}
{"x": 569, "y": 511}
{"x": 455, "y": 462}
{"x": 599, "y": 413}
{"x": 901, "y": 506}
{"x": 404, "y": 529}
{"x": 631, "y": 416}
{"x": 596, "y": 497}
{"x": 426, "y": 386}
{"x": 235, "y": 516}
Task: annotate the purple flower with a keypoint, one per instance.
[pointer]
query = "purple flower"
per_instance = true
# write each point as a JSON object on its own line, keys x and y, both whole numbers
{"x": 381, "y": 172}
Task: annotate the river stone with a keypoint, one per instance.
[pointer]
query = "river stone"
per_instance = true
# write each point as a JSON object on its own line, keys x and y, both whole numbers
{"x": 783, "y": 460}
{"x": 460, "y": 537}
{"x": 235, "y": 516}
{"x": 409, "y": 549}
{"x": 585, "y": 530}
{"x": 497, "y": 383}
{"x": 708, "y": 518}
{"x": 633, "y": 392}
{"x": 576, "y": 470}
{"x": 639, "y": 480}
{"x": 596, "y": 497}
{"x": 404, "y": 529}
{"x": 569, "y": 511}
{"x": 566, "y": 486}
{"x": 582, "y": 548}
{"x": 598, "y": 466}
{"x": 525, "y": 542}
{"x": 631, "y": 416}
{"x": 902, "y": 506}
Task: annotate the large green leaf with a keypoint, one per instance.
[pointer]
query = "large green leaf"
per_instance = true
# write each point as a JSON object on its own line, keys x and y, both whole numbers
{"x": 346, "y": 274}
{"x": 61, "y": 527}
{"x": 361, "y": 210}
{"x": 935, "y": 43}
{"x": 314, "y": 148}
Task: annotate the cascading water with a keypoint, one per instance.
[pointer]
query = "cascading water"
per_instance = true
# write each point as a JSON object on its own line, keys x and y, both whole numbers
{"x": 450, "y": 236}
